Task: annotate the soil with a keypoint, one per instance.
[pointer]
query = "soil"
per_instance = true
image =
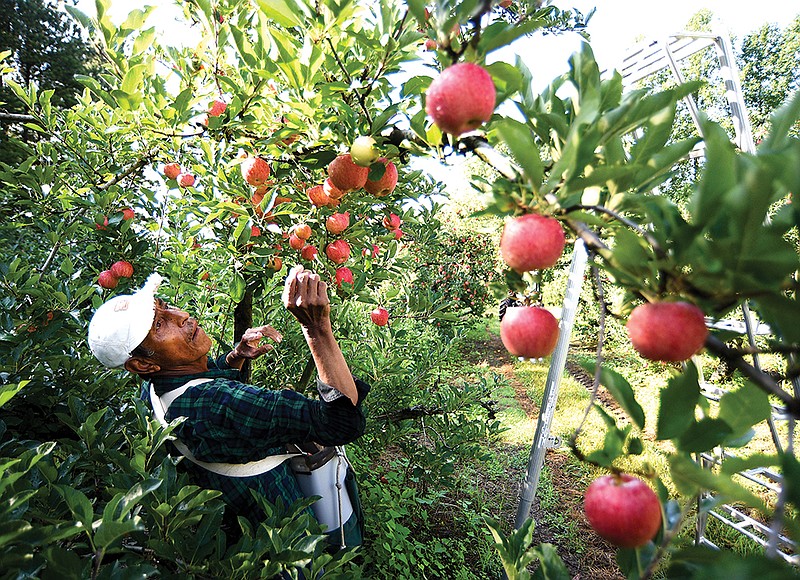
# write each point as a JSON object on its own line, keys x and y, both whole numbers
{"x": 596, "y": 560}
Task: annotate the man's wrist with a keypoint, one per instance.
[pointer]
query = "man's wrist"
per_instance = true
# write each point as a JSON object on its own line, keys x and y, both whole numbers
{"x": 231, "y": 357}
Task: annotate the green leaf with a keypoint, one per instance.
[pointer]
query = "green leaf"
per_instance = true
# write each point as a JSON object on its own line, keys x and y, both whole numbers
{"x": 284, "y": 12}
{"x": 522, "y": 146}
{"x": 743, "y": 408}
{"x": 678, "y": 402}
{"x": 690, "y": 478}
{"x": 501, "y": 33}
{"x": 621, "y": 390}
{"x": 551, "y": 566}
{"x": 704, "y": 435}
{"x": 78, "y": 504}
{"x": 133, "y": 78}
{"x": 9, "y": 390}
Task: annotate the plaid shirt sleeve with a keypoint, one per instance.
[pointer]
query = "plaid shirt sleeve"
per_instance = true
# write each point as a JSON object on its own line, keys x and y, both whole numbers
{"x": 233, "y": 422}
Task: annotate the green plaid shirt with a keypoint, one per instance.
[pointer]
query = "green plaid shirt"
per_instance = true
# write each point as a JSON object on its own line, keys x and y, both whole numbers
{"x": 228, "y": 421}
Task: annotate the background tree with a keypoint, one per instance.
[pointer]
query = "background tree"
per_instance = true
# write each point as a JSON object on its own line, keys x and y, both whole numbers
{"x": 48, "y": 49}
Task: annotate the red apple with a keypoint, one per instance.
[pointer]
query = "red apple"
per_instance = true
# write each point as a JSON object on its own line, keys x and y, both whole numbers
{"x": 172, "y": 170}
{"x": 380, "y": 316}
{"x": 532, "y": 242}
{"x": 296, "y": 243}
{"x": 371, "y": 252}
{"x": 667, "y": 331}
{"x": 529, "y": 331}
{"x": 338, "y": 222}
{"x": 343, "y": 276}
{"x": 217, "y": 108}
{"x": 122, "y": 269}
{"x": 623, "y": 510}
{"x": 331, "y": 190}
{"x": 255, "y": 231}
{"x": 107, "y": 279}
{"x": 275, "y": 263}
{"x": 302, "y": 231}
{"x": 186, "y": 180}
{"x": 386, "y": 184}
{"x": 104, "y": 225}
{"x": 461, "y": 99}
{"x": 317, "y": 196}
{"x": 392, "y": 221}
{"x": 338, "y": 251}
{"x": 309, "y": 253}
{"x": 255, "y": 171}
{"x": 127, "y": 213}
{"x": 346, "y": 175}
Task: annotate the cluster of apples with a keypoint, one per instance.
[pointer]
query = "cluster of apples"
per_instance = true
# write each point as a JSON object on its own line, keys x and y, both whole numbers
{"x": 110, "y": 278}
{"x": 175, "y": 171}
{"x": 530, "y": 242}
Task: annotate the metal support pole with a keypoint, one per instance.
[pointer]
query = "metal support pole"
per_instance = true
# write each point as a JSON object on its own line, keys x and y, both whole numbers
{"x": 557, "y": 362}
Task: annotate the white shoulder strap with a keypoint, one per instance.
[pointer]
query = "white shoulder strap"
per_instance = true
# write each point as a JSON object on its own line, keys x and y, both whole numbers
{"x": 160, "y": 406}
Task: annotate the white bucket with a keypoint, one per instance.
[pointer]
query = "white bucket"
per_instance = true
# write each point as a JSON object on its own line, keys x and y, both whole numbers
{"x": 322, "y": 482}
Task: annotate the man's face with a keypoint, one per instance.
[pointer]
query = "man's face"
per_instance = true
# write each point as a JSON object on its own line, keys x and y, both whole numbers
{"x": 175, "y": 337}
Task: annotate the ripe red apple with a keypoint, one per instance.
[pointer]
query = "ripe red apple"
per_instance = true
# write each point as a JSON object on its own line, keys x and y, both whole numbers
{"x": 309, "y": 253}
{"x": 275, "y": 263}
{"x": 217, "y": 108}
{"x": 386, "y": 184}
{"x": 667, "y": 331}
{"x": 338, "y": 251}
{"x": 331, "y": 190}
{"x": 370, "y": 252}
{"x": 363, "y": 151}
{"x": 343, "y": 276}
{"x": 317, "y": 196}
{"x": 380, "y": 316}
{"x": 532, "y": 242}
{"x": 255, "y": 171}
{"x": 122, "y": 269}
{"x": 172, "y": 170}
{"x": 529, "y": 331}
{"x": 346, "y": 175}
{"x": 296, "y": 243}
{"x": 430, "y": 44}
{"x": 255, "y": 231}
{"x": 623, "y": 510}
{"x": 461, "y": 99}
{"x": 338, "y": 222}
{"x": 127, "y": 213}
{"x": 186, "y": 180}
{"x": 505, "y": 3}
{"x": 398, "y": 233}
{"x": 302, "y": 231}
{"x": 107, "y": 279}
{"x": 104, "y": 225}
{"x": 392, "y": 221}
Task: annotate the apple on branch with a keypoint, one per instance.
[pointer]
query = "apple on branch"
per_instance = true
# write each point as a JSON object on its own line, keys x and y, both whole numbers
{"x": 667, "y": 331}
{"x": 529, "y": 331}
{"x": 532, "y": 242}
{"x": 461, "y": 98}
{"x": 622, "y": 509}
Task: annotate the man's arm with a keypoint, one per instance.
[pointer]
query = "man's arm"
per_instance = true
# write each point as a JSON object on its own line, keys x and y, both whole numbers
{"x": 305, "y": 295}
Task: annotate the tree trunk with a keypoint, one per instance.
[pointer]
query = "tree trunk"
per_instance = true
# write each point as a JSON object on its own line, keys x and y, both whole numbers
{"x": 242, "y": 320}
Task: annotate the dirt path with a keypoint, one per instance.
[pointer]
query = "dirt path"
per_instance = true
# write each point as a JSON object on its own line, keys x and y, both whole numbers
{"x": 597, "y": 560}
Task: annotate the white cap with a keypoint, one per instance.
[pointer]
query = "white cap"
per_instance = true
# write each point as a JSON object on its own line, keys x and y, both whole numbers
{"x": 122, "y": 323}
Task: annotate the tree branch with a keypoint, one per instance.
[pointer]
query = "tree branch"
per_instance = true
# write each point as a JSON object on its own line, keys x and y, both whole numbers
{"x": 761, "y": 379}
{"x": 415, "y": 412}
{"x": 15, "y": 117}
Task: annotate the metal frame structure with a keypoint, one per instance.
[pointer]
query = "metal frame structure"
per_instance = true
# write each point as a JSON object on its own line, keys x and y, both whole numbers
{"x": 641, "y": 61}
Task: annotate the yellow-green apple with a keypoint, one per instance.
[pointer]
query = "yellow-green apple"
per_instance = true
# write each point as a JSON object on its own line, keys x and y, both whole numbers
{"x": 622, "y": 509}
{"x": 667, "y": 331}
{"x": 461, "y": 98}
{"x": 532, "y": 242}
{"x": 363, "y": 151}
{"x": 529, "y": 331}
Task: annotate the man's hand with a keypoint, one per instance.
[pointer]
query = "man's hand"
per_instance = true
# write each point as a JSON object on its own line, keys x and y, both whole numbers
{"x": 305, "y": 295}
{"x": 249, "y": 348}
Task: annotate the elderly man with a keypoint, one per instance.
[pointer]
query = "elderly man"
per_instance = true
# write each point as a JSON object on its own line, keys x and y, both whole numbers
{"x": 229, "y": 423}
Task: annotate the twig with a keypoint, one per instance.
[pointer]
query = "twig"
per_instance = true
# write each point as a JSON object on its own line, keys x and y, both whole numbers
{"x": 16, "y": 117}
{"x": 761, "y": 379}
{"x": 659, "y": 251}
{"x": 415, "y": 412}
